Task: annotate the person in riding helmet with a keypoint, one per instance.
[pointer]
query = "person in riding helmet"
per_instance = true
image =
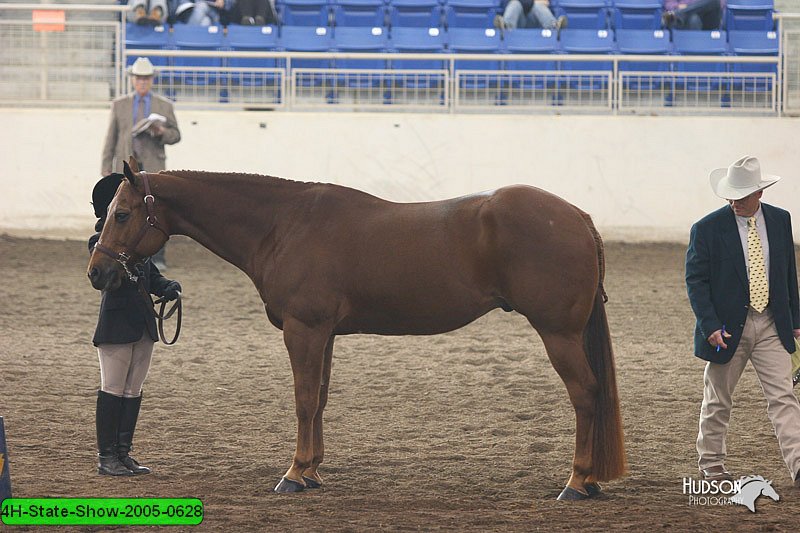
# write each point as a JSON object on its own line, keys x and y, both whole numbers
{"x": 124, "y": 337}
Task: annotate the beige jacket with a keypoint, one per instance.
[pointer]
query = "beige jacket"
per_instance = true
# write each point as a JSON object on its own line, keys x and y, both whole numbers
{"x": 118, "y": 146}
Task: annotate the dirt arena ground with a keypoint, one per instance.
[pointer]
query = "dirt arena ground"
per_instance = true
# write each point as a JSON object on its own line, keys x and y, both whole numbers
{"x": 468, "y": 431}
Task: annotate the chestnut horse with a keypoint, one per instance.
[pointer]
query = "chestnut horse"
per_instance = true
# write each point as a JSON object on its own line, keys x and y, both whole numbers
{"x": 328, "y": 260}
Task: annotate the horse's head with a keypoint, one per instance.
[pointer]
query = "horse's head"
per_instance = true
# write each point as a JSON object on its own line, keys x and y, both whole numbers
{"x": 768, "y": 490}
{"x": 133, "y": 230}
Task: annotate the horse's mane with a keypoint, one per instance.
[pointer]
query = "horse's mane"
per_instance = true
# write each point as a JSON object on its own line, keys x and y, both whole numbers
{"x": 257, "y": 184}
{"x": 202, "y": 174}
{"x": 749, "y": 479}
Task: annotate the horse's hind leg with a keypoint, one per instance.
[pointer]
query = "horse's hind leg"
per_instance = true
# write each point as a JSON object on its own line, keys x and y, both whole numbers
{"x": 311, "y": 476}
{"x": 566, "y": 353}
{"x": 306, "y": 346}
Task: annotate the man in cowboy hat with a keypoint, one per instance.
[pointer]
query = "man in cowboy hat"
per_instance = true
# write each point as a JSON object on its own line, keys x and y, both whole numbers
{"x": 147, "y": 145}
{"x": 742, "y": 283}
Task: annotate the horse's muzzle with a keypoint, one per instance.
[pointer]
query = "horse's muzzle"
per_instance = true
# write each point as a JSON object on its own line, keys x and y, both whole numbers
{"x": 108, "y": 280}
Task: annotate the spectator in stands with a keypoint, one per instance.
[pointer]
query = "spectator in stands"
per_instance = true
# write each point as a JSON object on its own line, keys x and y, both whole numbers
{"x": 201, "y": 12}
{"x": 147, "y": 146}
{"x": 254, "y": 12}
{"x": 693, "y": 14}
{"x": 529, "y": 14}
{"x": 148, "y": 11}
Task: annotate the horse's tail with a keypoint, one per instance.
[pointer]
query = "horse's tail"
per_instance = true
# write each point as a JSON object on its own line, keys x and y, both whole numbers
{"x": 608, "y": 446}
{"x": 601, "y": 253}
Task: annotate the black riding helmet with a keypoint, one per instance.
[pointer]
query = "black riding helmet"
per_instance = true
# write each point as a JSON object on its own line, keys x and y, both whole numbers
{"x": 102, "y": 194}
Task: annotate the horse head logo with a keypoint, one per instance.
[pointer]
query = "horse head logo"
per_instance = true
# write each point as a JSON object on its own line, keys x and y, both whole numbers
{"x": 750, "y": 488}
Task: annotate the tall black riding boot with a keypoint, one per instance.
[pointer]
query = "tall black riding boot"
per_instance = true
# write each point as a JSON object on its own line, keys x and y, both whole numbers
{"x": 127, "y": 425}
{"x": 107, "y": 416}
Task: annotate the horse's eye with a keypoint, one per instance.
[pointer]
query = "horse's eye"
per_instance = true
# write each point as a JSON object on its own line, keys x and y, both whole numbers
{"x": 121, "y": 217}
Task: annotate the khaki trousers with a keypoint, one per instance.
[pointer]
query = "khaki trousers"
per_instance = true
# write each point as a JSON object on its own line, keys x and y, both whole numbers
{"x": 761, "y": 346}
{"x": 123, "y": 367}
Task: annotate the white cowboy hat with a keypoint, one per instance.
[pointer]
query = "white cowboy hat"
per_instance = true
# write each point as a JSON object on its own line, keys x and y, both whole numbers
{"x": 741, "y": 179}
{"x": 142, "y": 67}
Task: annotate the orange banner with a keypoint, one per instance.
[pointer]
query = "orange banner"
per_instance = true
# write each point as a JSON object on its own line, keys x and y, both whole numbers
{"x": 48, "y": 20}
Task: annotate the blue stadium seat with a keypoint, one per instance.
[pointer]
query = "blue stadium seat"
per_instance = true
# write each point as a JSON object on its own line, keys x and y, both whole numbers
{"x": 197, "y": 38}
{"x": 471, "y": 13}
{"x": 704, "y": 43}
{"x": 413, "y": 40}
{"x": 352, "y": 13}
{"x": 417, "y": 41}
{"x": 581, "y": 41}
{"x": 360, "y": 40}
{"x": 531, "y": 41}
{"x": 763, "y": 43}
{"x": 312, "y": 13}
{"x": 644, "y": 42}
{"x": 252, "y": 39}
{"x": 584, "y": 14}
{"x": 754, "y": 43}
{"x": 754, "y": 15}
{"x": 699, "y": 42}
{"x": 308, "y": 39}
{"x": 637, "y": 14}
{"x": 475, "y": 41}
{"x": 415, "y": 14}
{"x": 147, "y": 37}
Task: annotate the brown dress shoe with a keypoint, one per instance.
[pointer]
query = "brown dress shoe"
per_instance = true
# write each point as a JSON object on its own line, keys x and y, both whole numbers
{"x": 140, "y": 15}
{"x": 716, "y": 473}
{"x": 156, "y": 15}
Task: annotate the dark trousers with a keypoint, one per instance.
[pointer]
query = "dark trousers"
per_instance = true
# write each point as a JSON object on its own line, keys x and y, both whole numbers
{"x": 255, "y": 8}
{"x": 702, "y": 15}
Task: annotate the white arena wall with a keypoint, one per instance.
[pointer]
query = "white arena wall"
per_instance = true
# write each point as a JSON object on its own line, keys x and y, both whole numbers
{"x": 641, "y": 178}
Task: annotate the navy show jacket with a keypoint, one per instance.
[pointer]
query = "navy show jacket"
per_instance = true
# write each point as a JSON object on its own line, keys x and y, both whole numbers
{"x": 124, "y": 314}
{"x": 718, "y": 286}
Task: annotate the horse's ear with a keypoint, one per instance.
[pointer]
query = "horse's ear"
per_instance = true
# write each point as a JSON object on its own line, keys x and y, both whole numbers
{"x": 134, "y": 164}
{"x": 130, "y": 169}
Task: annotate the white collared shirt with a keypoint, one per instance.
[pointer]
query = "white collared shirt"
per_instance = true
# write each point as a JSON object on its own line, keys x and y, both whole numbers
{"x": 761, "y": 228}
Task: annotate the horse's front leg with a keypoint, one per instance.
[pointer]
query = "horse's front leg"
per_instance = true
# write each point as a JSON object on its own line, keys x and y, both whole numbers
{"x": 306, "y": 346}
{"x": 311, "y": 475}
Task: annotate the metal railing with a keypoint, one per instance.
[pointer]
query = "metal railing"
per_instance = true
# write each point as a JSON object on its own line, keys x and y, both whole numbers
{"x": 790, "y": 56}
{"x": 85, "y": 65}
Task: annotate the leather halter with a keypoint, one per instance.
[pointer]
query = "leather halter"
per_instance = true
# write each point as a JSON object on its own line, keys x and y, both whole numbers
{"x": 124, "y": 255}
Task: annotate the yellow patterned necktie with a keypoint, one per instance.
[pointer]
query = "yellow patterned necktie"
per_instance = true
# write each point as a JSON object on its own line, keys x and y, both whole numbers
{"x": 759, "y": 287}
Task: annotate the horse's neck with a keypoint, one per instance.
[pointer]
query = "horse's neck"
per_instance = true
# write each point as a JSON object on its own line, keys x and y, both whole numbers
{"x": 231, "y": 215}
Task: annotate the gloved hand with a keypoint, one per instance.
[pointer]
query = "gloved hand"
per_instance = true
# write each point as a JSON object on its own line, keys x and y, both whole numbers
{"x": 171, "y": 291}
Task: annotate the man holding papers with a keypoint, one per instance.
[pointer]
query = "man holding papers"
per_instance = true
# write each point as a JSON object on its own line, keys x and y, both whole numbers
{"x": 142, "y": 122}
{"x": 741, "y": 278}
{"x": 129, "y": 113}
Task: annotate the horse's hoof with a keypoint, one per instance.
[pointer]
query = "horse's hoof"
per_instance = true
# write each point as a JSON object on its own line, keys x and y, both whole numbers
{"x": 570, "y": 495}
{"x": 311, "y": 483}
{"x": 288, "y": 485}
{"x": 593, "y": 488}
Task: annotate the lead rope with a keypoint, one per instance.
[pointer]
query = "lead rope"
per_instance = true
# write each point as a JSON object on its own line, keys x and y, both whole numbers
{"x": 160, "y": 315}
